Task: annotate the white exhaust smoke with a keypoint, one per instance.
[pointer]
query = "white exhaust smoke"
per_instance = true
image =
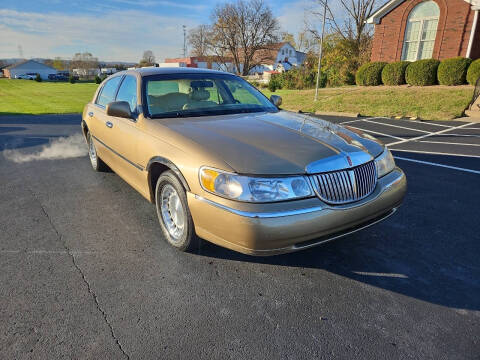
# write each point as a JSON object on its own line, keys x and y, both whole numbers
{"x": 61, "y": 148}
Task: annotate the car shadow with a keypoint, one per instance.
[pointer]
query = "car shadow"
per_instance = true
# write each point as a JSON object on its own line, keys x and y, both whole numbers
{"x": 5, "y": 129}
{"x": 44, "y": 119}
{"x": 11, "y": 142}
{"x": 428, "y": 250}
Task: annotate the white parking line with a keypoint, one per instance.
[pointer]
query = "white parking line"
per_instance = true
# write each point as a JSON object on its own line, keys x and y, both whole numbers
{"x": 433, "y": 153}
{"x": 429, "y": 123}
{"x": 429, "y": 134}
{"x": 459, "y": 135}
{"x": 381, "y": 134}
{"x": 439, "y": 165}
{"x": 396, "y": 126}
{"x": 447, "y": 143}
{"x": 350, "y": 121}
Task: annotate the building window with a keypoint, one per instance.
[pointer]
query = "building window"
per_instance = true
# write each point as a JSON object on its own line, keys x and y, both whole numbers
{"x": 421, "y": 31}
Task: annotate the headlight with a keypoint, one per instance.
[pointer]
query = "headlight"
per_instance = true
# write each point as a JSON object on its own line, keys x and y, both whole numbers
{"x": 384, "y": 163}
{"x": 253, "y": 189}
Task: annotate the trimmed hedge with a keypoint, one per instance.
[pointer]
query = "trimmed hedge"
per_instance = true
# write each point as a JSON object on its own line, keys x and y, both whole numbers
{"x": 422, "y": 72}
{"x": 394, "y": 73}
{"x": 473, "y": 72}
{"x": 370, "y": 74}
{"x": 453, "y": 71}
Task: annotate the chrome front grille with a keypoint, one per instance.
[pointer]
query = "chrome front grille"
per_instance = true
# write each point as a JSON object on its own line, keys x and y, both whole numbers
{"x": 345, "y": 186}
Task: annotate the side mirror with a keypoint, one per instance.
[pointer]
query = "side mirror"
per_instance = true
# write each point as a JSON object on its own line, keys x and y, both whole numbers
{"x": 119, "y": 109}
{"x": 276, "y": 100}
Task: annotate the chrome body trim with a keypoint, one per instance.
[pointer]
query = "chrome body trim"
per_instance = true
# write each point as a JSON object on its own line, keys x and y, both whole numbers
{"x": 250, "y": 214}
{"x": 346, "y": 185}
{"x": 339, "y": 162}
{"x": 138, "y": 167}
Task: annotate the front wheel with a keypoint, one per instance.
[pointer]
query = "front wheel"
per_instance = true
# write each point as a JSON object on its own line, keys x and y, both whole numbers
{"x": 173, "y": 213}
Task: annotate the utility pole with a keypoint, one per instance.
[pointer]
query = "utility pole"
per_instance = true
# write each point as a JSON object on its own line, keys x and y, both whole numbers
{"x": 320, "y": 55}
{"x": 20, "y": 51}
{"x": 184, "y": 41}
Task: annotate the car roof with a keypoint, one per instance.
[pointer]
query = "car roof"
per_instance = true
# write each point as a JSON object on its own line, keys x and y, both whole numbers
{"x": 147, "y": 71}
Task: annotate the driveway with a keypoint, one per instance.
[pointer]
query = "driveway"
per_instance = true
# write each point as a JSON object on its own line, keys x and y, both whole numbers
{"x": 84, "y": 272}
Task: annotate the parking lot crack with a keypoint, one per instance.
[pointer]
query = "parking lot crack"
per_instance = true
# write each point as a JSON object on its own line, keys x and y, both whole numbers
{"x": 84, "y": 278}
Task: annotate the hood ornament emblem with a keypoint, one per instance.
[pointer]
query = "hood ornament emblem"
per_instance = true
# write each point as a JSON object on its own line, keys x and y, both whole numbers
{"x": 349, "y": 161}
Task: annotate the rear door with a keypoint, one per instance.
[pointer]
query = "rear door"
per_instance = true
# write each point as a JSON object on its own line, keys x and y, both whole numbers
{"x": 99, "y": 124}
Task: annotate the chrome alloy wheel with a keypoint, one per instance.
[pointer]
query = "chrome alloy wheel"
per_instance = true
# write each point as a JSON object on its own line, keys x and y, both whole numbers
{"x": 173, "y": 213}
{"x": 92, "y": 152}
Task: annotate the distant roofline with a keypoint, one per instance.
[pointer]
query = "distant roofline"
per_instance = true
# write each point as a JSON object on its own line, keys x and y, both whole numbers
{"x": 26, "y": 61}
{"x": 147, "y": 71}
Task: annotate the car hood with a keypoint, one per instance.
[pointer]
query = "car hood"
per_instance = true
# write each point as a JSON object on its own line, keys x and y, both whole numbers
{"x": 278, "y": 143}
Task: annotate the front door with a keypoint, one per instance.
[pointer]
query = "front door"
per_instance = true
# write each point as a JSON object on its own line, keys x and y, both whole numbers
{"x": 123, "y": 134}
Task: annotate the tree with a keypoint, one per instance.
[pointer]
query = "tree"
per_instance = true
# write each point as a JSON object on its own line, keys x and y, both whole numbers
{"x": 347, "y": 19}
{"x": 58, "y": 63}
{"x": 198, "y": 40}
{"x": 290, "y": 38}
{"x": 148, "y": 59}
{"x": 240, "y": 30}
{"x": 84, "y": 62}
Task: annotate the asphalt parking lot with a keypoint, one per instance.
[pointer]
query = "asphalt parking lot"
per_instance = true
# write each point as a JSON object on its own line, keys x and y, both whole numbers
{"x": 84, "y": 272}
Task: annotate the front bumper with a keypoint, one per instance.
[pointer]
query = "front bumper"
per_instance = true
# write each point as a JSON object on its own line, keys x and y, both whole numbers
{"x": 270, "y": 229}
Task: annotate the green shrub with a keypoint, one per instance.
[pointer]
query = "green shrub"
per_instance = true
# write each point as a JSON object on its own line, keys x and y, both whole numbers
{"x": 370, "y": 74}
{"x": 38, "y": 78}
{"x": 274, "y": 82}
{"x": 296, "y": 78}
{"x": 71, "y": 79}
{"x": 394, "y": 73}
{"x": 98, "y": 80}
{"x": 422, "y": 72}
{"x": 453, "y": 71}
{"x": 473, "y": 72}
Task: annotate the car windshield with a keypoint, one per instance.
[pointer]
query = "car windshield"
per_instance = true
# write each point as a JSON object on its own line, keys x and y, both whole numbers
{"x": 184, "y": 95}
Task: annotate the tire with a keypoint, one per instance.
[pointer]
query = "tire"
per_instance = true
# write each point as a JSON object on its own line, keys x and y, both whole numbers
{"x": 173, "y": 213}
{"x": 97, "y": 163}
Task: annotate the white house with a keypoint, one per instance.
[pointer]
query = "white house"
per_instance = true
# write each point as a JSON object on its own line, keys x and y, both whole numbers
{"x": 86, "y": 72}
{"x": 280, "y": 57}
{"x": 108, "y": 71}
{"x": 29, "y": 67}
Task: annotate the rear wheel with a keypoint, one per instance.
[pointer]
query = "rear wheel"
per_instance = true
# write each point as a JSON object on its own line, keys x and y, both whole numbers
{"x": 173, "y": 213}
{"x": 97, "y": 163}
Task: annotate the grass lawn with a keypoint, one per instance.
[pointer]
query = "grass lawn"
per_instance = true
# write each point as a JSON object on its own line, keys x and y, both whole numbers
{"x": 429, "y": 102}
{"x": 31, "y": 97}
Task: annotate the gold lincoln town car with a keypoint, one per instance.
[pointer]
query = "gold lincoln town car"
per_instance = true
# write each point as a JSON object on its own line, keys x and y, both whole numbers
{"x": 223, "y": 163}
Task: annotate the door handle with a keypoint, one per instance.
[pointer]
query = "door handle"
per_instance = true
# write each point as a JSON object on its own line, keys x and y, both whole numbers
{"x": 109, "y": 124}
{"x": 90, "y": 113}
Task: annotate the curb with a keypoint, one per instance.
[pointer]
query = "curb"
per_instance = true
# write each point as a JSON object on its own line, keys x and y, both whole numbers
{"x": 334, "y": 113}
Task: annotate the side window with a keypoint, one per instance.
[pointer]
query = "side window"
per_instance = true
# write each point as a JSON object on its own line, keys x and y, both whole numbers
{"x": 107, "y": 94}
{"x": 128, "y": 92}
{"x": 241, "y": 94}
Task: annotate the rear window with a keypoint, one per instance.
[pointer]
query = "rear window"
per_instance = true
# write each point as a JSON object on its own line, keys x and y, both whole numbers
{"x": 158, "y": 88}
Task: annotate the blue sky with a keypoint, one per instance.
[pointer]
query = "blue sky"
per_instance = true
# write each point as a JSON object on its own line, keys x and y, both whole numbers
{"x": 114, "y": 29}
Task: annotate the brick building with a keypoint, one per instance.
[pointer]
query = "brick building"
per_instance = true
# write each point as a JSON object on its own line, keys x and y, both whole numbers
{"x": 418, "y": 29}
{"x": 203, "y": 62}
